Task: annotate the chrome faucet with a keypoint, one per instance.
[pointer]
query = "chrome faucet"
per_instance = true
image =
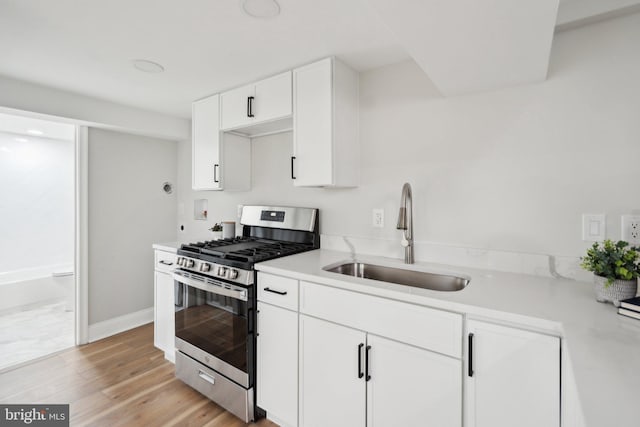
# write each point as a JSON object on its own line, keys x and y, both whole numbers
{"x": 405, "y": 222}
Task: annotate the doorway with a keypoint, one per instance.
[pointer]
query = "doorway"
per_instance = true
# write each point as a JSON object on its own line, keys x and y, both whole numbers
{"x": 38, "y": 238}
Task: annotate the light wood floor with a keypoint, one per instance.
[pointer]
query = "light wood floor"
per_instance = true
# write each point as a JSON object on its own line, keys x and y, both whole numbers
{"x": 122, "y": 380}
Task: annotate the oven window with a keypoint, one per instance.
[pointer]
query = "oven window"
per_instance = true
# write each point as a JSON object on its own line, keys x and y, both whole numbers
{"x": 216, "y": 324}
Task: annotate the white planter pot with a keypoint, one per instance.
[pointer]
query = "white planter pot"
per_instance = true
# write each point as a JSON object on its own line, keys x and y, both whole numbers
{"x": 616, "y": 291}
{"x": 217, "y": 235}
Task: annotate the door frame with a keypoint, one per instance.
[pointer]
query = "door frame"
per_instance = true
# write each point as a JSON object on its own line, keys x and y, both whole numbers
{"x": 81, "y": 235}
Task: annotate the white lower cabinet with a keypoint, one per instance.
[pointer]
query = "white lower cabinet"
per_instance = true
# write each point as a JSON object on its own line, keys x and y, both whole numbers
{"x": 332, "y": 386}
{"x": 163, "y": 325}
{"x": 332, "y": 357}
{"x": 277, "y": 367}
{"x": 351, "y": 378}
{"x": 410, "y": 386}
{"x": 512, "y": 377}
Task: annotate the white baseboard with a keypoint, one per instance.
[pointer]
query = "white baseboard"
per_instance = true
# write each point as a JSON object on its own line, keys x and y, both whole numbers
{"x": 109, "y": 327}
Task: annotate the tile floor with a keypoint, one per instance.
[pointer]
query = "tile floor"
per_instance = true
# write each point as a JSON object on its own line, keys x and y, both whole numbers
{"x": 28, "y": 333}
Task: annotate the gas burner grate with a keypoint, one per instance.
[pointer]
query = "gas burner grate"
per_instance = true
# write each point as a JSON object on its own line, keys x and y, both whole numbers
{"x": 245, "y": 249}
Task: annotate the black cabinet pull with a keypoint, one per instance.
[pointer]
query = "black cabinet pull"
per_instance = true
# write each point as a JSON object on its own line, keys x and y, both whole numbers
{"x": 470, "y": 362}
{"x": 292, "y": 175}
{"x": 360, "y": 373}
{"x": 250, "y": 106}
{"x": 215, "y": 173}
{"x": 366, "y": 362}
{"x": 275, "y": 292}
{"x": 165, "y": 262}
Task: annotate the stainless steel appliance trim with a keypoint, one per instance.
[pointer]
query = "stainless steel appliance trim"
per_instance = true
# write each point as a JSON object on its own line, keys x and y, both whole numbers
{"x": 210, "y": 285}
{"x": 213, "y": 362}
{"x": 229, "y": 395}
{"x": 303, "y": 219}
{"x": 244, "y": 277}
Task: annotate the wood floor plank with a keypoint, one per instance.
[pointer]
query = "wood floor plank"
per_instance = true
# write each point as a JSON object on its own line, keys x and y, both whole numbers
{"x": 119, "y": 381}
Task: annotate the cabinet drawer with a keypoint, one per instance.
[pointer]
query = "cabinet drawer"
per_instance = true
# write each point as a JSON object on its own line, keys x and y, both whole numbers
{"x": 277, "y": 290}
{"x": 432, "y": 329}
{"x": 165, "y": 261}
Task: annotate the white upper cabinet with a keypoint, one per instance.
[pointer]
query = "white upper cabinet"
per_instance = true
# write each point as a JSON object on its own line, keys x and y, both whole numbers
{"x": 205, "y": 116}
{"x": 273, "y": 98}
{"x": 263, "y": 101}
{"x": 219, "y": 161}
{"x": 512, "y": 377}
{"x": 236, "y": 107}
{"x": 325, "y": 125}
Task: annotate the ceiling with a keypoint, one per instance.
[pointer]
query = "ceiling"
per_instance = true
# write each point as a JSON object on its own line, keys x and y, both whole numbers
{"x": 206, "y": 46}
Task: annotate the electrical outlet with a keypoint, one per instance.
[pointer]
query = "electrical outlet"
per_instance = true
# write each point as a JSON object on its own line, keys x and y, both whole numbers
{"x": 631, "y": 229}
{"x": 240, "y": 211}
{"x": 378, "y": 218}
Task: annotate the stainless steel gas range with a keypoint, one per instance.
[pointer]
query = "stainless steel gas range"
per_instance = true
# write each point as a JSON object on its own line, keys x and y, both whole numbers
{"x": 216, "y": 322}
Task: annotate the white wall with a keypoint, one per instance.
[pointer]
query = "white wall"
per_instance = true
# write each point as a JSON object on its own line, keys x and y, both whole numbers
{"x": 509, "y": 170}
{"x": 36, "y": 206}
{"x": 128, "y": 212}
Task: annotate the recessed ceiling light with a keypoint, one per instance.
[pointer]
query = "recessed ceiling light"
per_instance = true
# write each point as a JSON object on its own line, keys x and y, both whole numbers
{"x": 21, "y": 139}
{"x": 35, "y": 132}
{"x": 147, "y": 66}
{"x": 261, "y": 8}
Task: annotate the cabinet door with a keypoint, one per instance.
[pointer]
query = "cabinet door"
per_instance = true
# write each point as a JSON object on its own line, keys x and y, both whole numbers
{"x": 331, "y": 391}
{"x": 277, "y": 370}
{"x": 206, "y": 144}
{"x": 235, "y": 108}
{"x": 164, "y": 326}
{"x": 313, "y": 124}
{"x": 409, "y": 386}
{"x": 514, "y": 377}
{"x": 273, "y": 98}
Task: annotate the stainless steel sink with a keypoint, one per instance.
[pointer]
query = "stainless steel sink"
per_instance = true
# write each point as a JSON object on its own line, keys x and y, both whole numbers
{"x": 417, "y": 279}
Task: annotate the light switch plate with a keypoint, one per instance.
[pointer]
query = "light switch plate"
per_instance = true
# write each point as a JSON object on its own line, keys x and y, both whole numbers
{"x": 594, "y": 227}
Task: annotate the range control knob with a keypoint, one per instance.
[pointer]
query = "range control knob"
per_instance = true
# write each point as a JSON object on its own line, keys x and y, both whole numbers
{"x": 179, "y": 260}
{"x": 232, "y": 273}
{"x": 190, "y": 263}
{"x": 205, "y": 266}
{"x": 222, "y": 271}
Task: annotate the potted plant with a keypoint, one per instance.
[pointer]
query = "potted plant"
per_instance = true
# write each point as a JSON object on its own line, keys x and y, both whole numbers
{"x": 615, "y": 270}
{"x": 217, "y": 231}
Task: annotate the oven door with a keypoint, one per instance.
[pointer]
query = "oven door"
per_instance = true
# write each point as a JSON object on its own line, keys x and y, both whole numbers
{"x": 215, "y": 325}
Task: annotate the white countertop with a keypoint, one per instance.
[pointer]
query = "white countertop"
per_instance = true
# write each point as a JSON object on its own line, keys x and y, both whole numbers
{"x": 167, "y": 247}
{"x": 604, "y": 347}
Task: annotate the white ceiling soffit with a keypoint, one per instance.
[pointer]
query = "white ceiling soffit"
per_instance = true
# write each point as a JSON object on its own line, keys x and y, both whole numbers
{"x": 575, "y": 13}
{"x": 472, "y": 45}
{"x": 36, "y": 128}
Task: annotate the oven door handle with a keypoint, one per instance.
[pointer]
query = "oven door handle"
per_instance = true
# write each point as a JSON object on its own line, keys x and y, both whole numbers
{"x": 220, "y": 289}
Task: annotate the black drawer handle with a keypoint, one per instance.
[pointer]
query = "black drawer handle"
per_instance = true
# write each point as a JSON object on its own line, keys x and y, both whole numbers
{"x": 215, "y": 173}
{"x": 360, "y": 373}
{"x": 165, "y": 262}
{"x": 292, "y": 175}
{"x": 250, "y": 106}
{"x": 273, "y": 291}
{"x": 470, "y": 362}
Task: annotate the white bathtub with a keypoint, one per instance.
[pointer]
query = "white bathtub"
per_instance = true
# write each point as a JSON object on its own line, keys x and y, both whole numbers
{"x": 27, "y": 287}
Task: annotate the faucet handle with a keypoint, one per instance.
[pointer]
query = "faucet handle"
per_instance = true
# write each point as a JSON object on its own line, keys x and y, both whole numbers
{"x": 404, "y": 242}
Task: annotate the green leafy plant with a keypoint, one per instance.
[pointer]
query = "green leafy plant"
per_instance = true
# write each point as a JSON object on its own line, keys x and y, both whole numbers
{"x": 615, "y": 261}
{"x": 216, "y": 227}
